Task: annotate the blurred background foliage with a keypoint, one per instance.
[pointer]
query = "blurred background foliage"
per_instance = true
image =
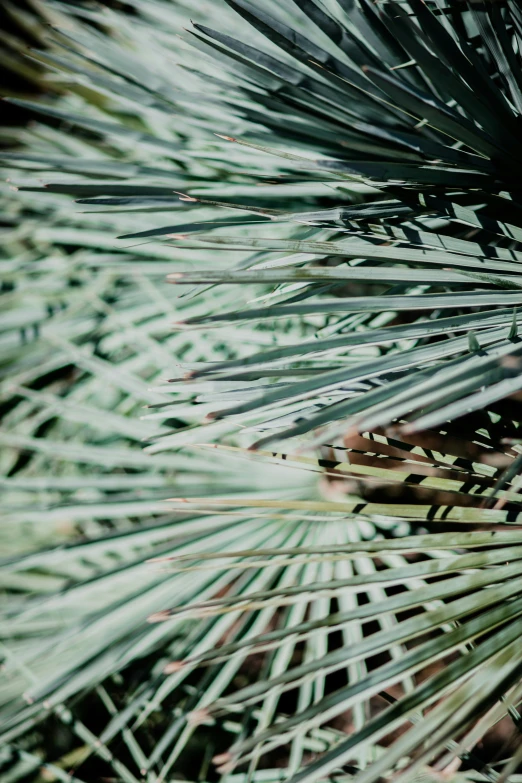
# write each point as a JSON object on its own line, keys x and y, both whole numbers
{"x": 305, "y": 607}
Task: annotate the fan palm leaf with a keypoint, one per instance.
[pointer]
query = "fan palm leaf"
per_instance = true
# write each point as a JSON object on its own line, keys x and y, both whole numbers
{"x": 347, "y": 607}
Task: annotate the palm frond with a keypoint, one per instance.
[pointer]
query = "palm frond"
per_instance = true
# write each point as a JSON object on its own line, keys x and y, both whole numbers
{"x": 344, "y": 183}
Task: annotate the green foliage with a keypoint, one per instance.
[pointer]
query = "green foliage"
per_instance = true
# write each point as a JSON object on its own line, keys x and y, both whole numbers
{"x": 337, "y": 184}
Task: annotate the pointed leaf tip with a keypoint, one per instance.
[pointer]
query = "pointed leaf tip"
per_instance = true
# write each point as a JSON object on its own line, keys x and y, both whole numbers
{"x": 184, "y": 196}
{"x": 197, "y": 717}
{"x": 173, "y": 667}
{"x": 222, "y": 758}
{"x": 158, "y": 617}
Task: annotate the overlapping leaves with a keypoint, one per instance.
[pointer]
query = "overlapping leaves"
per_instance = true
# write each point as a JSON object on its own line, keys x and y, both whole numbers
{"x": 367, "y": 174}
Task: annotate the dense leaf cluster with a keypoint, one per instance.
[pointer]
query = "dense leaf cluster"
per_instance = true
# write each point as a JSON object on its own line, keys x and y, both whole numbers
{"x": 337, "y": 183}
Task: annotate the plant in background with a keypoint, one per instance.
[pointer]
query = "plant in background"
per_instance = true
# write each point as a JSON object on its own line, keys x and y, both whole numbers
{"x": 337, "y": 184}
